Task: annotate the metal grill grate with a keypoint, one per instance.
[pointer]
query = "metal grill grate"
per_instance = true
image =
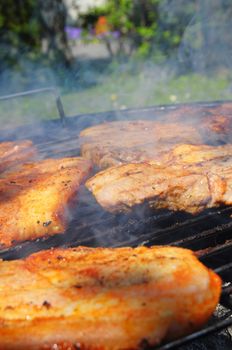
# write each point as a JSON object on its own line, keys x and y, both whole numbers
{"x": 209, "y": 233}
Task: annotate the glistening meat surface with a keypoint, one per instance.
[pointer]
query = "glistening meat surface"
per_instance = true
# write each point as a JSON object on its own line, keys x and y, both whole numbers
{"x": 190, "y": 189}
{"x": 35, "y": 200}
{"x": 99, "y": 298}
{"x": 198, "y": 156}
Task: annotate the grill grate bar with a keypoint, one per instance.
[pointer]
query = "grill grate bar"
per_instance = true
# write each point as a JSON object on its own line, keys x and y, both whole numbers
{"x": 191, "y": 239}
{"x": 162, "y": 229}
{"x": 106, "y": 229}
{"x": 226, "y": 290}
{"x": 208, "y": 254}
{"x": 196, "y": 335}
{"x": 51, "y": 89}
{"x": 208, "y": 233}
{"x": 226, "y": 297}
{"x": 223, "y": 268}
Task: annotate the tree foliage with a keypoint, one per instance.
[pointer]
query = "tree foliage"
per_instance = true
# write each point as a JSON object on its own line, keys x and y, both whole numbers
{"x": 36, "y": 28}
{"x": 197, "y": 30}
{"x": 148, "y": 24}
{"x": 25, "y": 24}
{"x": 19, "y": 29}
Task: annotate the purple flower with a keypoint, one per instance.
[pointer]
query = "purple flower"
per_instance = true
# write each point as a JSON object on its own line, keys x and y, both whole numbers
{"x": 116, "y": 34}
{"x": 73, "y": 33}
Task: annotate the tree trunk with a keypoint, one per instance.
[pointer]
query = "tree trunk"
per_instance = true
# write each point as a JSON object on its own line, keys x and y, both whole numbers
{"x": 53, "y": 20}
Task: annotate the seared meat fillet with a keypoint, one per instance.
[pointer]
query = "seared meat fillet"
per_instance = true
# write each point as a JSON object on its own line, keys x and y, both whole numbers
{"x": 133, "y": 141}
{"x": 202, "y": 156}
{"x": 189, "y": 189}
{"x": 213, "y": 122}
{"x": 12, "y": 153}
{"x": 99, "y": 298}
{"x": 34, "y": 200}
{"x": 220, "y": 124}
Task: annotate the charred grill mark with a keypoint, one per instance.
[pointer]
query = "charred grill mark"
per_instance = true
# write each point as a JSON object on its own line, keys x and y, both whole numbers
{"x": 78, "y": 286}
{"x": 9, "y": 307}
{"x": 128, "y": 173}
{"x": 60, "y": 257}
{"x": 46, "y": 304}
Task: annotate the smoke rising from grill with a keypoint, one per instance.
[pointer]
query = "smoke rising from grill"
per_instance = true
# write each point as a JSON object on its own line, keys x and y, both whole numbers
{"x": 152, "y": 79}
{"x": 93, "y": 86}
{"x": 205, "y": 47}
{"x": 114, "y": 88}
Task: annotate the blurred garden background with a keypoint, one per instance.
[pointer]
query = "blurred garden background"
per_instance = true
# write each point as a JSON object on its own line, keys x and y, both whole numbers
{"x": 113, "y": 54}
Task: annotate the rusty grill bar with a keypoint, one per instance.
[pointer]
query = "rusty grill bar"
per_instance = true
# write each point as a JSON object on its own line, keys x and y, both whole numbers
{"x": 52, "y": 90}
{"x": 209, "y": 233}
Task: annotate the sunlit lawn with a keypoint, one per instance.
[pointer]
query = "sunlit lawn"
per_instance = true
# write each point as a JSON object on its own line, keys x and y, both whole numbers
{"x": 119, "y": 92}
{"x": 139, "y": 91}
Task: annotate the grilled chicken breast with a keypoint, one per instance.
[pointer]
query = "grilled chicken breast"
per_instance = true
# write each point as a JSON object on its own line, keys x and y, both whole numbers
{"x": 133, "y": 141}
{"x": 190, "y": 189}
{"x": 35, "y": 199}
{"x": 203, "y": 156}
{"x": 13, "y": 153}
{"x": 215, "y": 121}
{"x": 99, "y": 298}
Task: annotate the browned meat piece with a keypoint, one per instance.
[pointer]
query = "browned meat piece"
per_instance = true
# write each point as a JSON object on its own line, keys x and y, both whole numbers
{"x": 133, "y": 141}
{"x": 202, "y": 156}
{"x": 108, "y": 299}
{"x": 219, "y": 124}
{"x": 13, "y": 153}
{"x": 213, "y": 122}
{"x": 136, "y": 141}
{"x": 218, "y": 121}
{"x": 34, "y": 200}
{"x": 190, "y": 189}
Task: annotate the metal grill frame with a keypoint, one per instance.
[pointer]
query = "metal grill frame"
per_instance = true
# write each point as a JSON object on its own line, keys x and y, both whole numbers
{"x": 64, "y": 126}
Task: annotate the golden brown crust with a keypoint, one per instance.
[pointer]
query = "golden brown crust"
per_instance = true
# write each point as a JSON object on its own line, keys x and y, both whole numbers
{"x": 187, "y": 177}
{"x": 175, "y": 187}
{"x": 135, "y": 141}
{"x": 99, "y": 298}
{"x": 204, "y": 156}
{"x": 35, "y": 199}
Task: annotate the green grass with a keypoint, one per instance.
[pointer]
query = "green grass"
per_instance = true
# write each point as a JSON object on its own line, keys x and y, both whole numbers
{"x": 119, "y": 92}
{"x": 139, "y": 91}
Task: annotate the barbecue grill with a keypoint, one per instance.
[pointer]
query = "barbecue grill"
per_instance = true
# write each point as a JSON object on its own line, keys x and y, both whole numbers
{"x": 209, "y": 233}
